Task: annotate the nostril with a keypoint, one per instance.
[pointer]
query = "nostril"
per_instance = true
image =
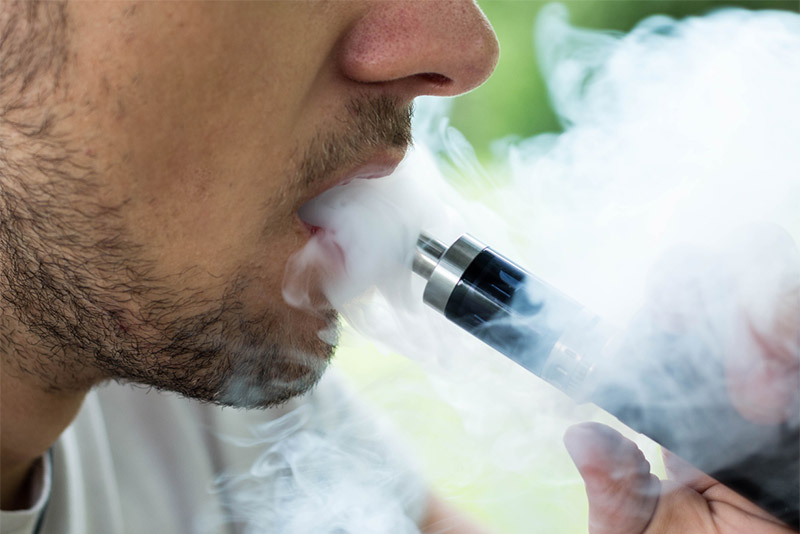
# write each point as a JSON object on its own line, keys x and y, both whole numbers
{"x": 436, "y": 79}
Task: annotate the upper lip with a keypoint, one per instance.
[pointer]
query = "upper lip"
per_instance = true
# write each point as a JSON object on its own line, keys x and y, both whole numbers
{"x": 378, "y": 165}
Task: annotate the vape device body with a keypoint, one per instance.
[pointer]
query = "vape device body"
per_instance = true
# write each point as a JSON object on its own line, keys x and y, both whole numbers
{"x": 669, "y": 387}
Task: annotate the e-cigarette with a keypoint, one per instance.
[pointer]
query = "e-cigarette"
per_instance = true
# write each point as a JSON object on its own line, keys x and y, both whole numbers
{"x": 669, "y": 386}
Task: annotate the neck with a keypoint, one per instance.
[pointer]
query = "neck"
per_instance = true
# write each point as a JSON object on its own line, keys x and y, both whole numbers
{"x": 33, "y": 418}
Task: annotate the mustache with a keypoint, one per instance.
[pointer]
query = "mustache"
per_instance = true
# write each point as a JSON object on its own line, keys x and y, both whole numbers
{"x": 371, "y": 124}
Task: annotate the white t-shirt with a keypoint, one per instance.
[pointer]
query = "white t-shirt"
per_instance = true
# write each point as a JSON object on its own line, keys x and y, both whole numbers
{"x": 139, "y": 461}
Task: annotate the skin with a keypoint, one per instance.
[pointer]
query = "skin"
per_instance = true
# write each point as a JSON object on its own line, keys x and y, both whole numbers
{"x": 155, "y": 157}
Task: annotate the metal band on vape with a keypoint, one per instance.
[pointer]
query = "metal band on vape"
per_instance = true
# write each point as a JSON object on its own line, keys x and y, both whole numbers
{"x": 447, "y": 273}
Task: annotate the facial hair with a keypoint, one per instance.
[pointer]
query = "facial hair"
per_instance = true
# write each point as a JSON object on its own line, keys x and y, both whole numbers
{"x": 70, "y": 273}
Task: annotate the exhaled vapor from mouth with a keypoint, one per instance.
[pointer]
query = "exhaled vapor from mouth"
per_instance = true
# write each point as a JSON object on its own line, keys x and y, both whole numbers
{"x": 372, "y": 145}
{"x": 377, "y": 167}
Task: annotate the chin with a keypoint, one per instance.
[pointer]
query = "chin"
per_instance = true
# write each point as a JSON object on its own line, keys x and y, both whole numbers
{"x": 262, "y": 377}
{"x": 268, "y": 384}
{"x": 230, "y": 358}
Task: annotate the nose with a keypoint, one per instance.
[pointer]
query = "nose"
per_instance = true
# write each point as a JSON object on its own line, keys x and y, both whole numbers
{"x": 421, "y": 47}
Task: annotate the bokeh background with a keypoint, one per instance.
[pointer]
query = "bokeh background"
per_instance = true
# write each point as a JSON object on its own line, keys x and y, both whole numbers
{"x": 546, "y": 497}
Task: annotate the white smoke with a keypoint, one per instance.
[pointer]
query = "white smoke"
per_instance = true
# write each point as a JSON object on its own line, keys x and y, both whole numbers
{"x": 325, "y": 465}
{"x": 677, "y": 136}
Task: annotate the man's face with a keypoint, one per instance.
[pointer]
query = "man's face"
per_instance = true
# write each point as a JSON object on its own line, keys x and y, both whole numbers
{"x": 148, "y": 226}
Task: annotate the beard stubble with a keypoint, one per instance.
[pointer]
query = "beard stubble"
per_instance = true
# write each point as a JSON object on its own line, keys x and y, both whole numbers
{"x": 70, "y": 276}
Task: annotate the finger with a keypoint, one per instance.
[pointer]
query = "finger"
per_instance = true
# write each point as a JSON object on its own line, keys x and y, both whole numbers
{"x": 686, "y": 474}
{"x": 730, "y": 518}
{"x": 683, "y": 510}
{"x": 621, "y": 491}
{"x": 763, "y": 360}
{"x": 624, "y": 498}
{"x": 765, "y": 261}
{"x": 763, "y": 369}
{"x": 766, "y": 391}
{"x": 722, "y": 501}
{"x": 748, "y": 296}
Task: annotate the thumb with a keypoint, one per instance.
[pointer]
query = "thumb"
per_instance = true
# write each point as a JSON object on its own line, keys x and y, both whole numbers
{"x": 622, "y": 492}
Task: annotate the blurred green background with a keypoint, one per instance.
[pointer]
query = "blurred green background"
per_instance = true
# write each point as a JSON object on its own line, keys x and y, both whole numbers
{"x": 514, "y": 100}
{"x": 548, "y": 497}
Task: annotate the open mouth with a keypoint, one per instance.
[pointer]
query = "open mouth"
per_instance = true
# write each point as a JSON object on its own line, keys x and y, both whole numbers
{"x": 315, "y": 214}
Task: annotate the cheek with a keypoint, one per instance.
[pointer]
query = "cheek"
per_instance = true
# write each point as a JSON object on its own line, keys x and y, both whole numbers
{"x": 182, "y": 233}
{"x": 191, "y": 157}
{"x": 258, "y": 284}
{"x": 203, "y": 230}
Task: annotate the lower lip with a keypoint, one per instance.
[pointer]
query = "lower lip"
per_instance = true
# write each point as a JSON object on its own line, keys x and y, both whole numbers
{"x": 336, "y": 264}
{"x": 374, "y": 170}
{"x": 310, "y": 228}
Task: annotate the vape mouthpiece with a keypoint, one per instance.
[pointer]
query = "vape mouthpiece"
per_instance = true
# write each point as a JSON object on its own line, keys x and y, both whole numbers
{"x": 644, "y": 376}
{"x": 429, "y": 252}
